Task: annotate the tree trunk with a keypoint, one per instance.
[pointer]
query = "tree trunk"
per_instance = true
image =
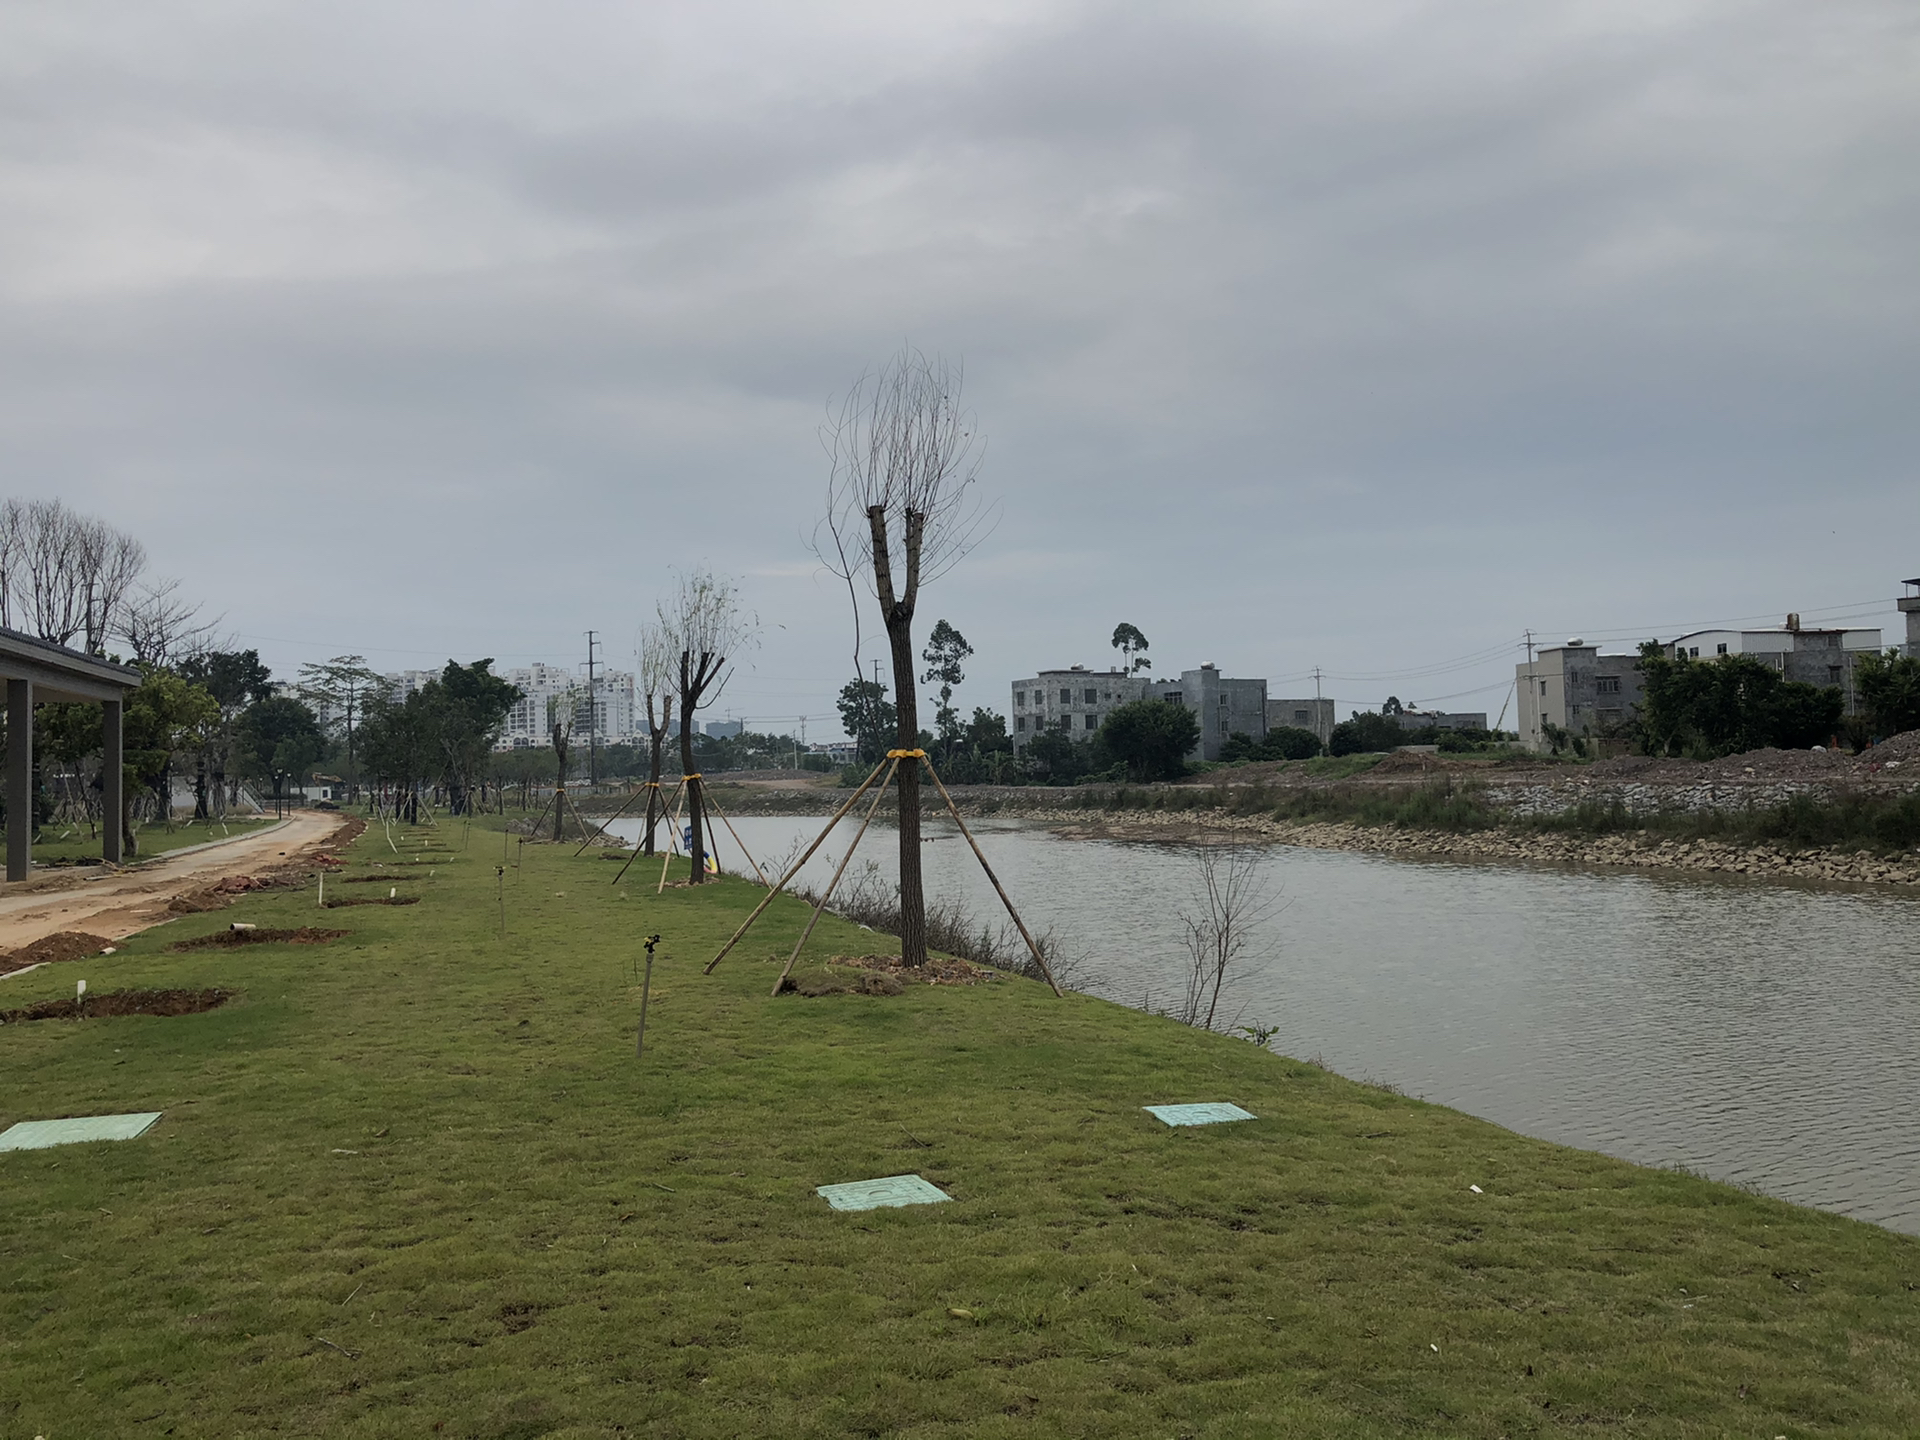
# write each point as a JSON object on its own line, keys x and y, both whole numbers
{"x": 694, "y": 818}
{"x": 913, "y": 897}
{"x": 659, "y": 740}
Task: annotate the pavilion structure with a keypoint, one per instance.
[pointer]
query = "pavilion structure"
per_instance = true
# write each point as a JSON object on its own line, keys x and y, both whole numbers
{"x": 36, "y": 671}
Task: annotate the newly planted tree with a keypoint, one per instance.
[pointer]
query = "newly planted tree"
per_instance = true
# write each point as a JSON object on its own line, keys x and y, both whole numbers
{"x": 657, "y": 664}
{"x": 705, "y": 629}
{"x": 900, "y": 513}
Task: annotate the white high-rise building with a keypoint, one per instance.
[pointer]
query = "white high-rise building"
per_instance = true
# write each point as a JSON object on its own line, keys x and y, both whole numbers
{"x": 613, "y": 706}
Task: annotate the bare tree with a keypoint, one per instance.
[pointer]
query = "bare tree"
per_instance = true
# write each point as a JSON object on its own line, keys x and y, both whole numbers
{"x": 900, "y": 513}
{"x": 160, "y": 627}
{"x": 1233, "y": 902}
{"x": 704, "y": 629}
{"x": 67, "y": 577}
{"x": 562, "y": 710}
{"x": 656, "y": 661}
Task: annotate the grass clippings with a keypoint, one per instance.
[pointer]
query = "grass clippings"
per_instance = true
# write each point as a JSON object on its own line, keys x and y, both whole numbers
{"x": 50, "y": 949}
{"x": 111, "y": 1003}
{"x": 304, "y": 935}
{"x": 440, "y": 1153}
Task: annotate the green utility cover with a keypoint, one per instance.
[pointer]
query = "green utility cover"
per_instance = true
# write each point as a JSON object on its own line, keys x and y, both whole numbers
{"x": 38, "y": 1134}
{"x": 1209, "y": 1114}
{"x": 881, "y": 1194}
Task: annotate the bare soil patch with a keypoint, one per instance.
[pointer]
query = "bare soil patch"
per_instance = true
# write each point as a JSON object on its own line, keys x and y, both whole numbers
{"x": 374, "y": 900}
{"x": 120, "y": 1002}
{"x": 62, "y": 945}
{"x": 884, "y": 975}
{"x": 305, "y": 935}
{"x": 381, "y": 879}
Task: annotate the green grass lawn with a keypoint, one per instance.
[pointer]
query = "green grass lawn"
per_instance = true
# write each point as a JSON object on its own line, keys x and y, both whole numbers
{"x": 62, "y": 843}
{"x": 415, "y": 1183}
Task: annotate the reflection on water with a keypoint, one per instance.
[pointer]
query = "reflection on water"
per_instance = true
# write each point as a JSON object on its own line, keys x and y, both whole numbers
{"x": 1758, "y": 1034}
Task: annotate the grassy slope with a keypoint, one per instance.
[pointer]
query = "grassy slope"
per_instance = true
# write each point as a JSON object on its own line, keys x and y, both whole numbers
{"x": 154, "y": 839}
{"x": 537, "y": 1235}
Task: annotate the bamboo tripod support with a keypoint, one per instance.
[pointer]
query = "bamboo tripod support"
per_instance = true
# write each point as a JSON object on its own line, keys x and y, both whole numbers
{"x": 673, "y": 829}
{"x": 649, "y": 785}
{"x": 794, "y": 869}
{"x": 890, "y": 765}
{"x": 759, "y": 874}
{"x": 879, "y": 794}
{"x": 636, "y": 850}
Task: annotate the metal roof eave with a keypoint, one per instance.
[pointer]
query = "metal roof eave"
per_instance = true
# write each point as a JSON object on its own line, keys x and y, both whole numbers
{"x": 58, "y": 673}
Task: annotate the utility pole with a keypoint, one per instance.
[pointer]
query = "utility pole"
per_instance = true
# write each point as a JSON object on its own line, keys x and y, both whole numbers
{"x": 593, "y": 719}
{"x": 1533, "y": 698}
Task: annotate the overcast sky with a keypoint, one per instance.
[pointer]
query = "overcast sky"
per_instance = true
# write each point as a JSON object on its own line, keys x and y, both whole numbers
{"x": 1356, "y": 335}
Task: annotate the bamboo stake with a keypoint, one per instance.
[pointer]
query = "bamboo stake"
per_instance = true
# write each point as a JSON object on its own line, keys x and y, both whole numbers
{"x": 636, "y": 849}
{"x": 737, "y": 840}
{"x": 998, "y": 888}
{"x": 673, "y": 832}
{"x": 820, "y": 840}
{"x": 879, "y": 794}
{"x": 610, "y": 819}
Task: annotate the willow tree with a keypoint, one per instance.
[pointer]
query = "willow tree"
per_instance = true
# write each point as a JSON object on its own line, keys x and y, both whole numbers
{"x": 656, "y": 668}
{"x": 900, "y": 514}
{"x": 704, "y": 629}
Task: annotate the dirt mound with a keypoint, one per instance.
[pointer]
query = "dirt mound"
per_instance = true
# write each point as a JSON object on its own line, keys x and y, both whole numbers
{"x": 305, "y": 935}
{"x": 62, "y": 945}
{"x": 374, "y": 900}
{"x": 120, "y": 1002}
{"x": 381, "y": 879}
{"x": 218, "y": 895}
{"x": 1901, "y": 750}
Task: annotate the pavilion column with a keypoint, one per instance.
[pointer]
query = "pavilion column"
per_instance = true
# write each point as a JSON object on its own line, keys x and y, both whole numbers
{"x": 19, "y": 778}
{"x": 112, "y": 778}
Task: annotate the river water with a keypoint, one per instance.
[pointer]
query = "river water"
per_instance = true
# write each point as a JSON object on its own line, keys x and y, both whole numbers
{"x": 1761, "y": 1034}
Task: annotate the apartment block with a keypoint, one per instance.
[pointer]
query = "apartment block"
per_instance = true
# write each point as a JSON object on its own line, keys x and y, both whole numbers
{"x": 1224, "y": 706}
{"x": 1075, "y": 700}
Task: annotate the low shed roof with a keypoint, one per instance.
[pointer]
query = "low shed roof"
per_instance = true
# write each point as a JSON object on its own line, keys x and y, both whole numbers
{"x": 58, "y": 673}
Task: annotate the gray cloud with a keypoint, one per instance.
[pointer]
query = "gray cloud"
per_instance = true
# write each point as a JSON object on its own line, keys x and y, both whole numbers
{"x": 1363, "y": 337}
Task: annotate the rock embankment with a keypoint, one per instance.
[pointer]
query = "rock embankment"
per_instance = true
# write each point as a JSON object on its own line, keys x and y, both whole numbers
{"x": 1633, "y": 851}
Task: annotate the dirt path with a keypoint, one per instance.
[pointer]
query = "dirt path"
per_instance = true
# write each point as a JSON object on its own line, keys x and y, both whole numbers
{"x": 117, "y": 905}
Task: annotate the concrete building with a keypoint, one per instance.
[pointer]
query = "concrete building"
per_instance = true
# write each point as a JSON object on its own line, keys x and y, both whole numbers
{"x": 402, "y": 684}
{"x": 1442, "y": 720}
{"x": 1076, "y": 700}
{"x": 1576, "y": 688}
{"x": 1315, "y": 715}
{"x": 1823, "y": 657}
{"x": 1222, "y": 705}
{"x": 725, "y": 729}
{"x": 1910, "y": 607}
{"x": 1584, "y": 692}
